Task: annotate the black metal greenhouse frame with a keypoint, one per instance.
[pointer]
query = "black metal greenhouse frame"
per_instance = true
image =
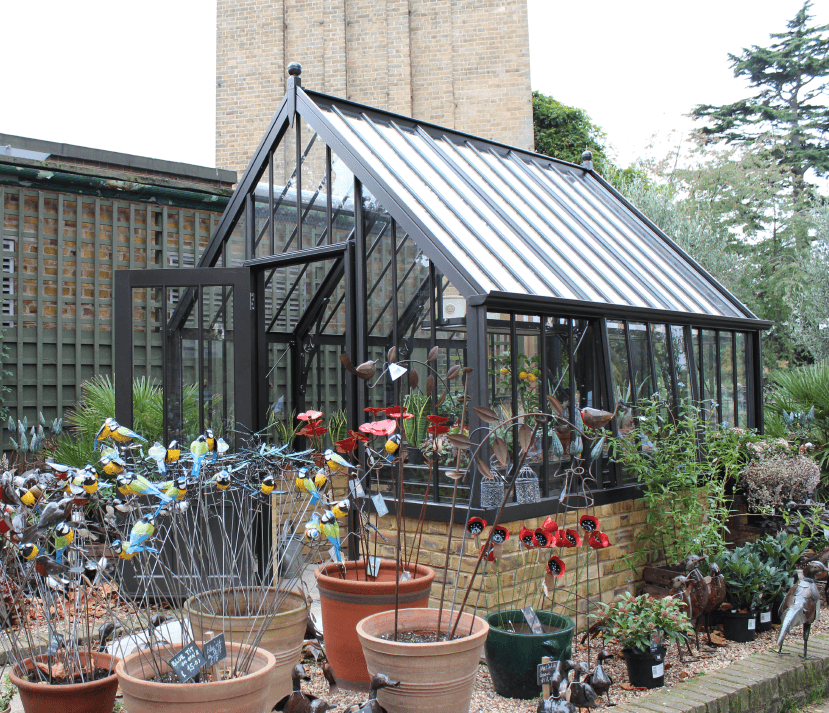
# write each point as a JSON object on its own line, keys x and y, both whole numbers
{"x": 311, "y": 272}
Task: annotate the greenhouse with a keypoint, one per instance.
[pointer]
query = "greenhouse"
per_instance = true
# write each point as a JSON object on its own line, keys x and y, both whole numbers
{"x": 354, "y": 230}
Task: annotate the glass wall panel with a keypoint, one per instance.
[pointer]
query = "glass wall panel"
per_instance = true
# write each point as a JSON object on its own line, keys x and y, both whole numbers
{"x": 148, "y": 344}
{"x": 727, "y": 378}
{"x": 314, "y": 190}
{"x": 661, "y": 362}
{"x": 742, "y": 381}
{"x": 640, "y": 361}
{"x": 681, "y": 365}
{"x": 217, "y": 359}
{"x": 556, "y": 374}
{"x": 619, "y": 364}
{"x": 710, "y": 370}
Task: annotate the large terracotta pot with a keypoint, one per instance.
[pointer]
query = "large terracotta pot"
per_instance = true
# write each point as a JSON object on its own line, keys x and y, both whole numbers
{"x": 93, "y": 697}
{"x": 434, "y": 677}
{"x": 247, "y": 694}
{"x": 248, "y": 613}
{"x": 345, "y": 600}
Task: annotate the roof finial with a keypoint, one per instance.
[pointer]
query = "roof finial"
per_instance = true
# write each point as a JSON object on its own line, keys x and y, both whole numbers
{"x": 587, "y": 160}
{"x": 294, "y": 69}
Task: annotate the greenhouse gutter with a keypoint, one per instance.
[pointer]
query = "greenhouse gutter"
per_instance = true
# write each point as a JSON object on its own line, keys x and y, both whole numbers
{"x": 558, "y": 306}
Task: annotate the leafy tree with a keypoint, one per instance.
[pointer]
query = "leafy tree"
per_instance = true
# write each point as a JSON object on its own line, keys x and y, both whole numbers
{"x": 783, "y": 116}
{"x": 565, "y": 132}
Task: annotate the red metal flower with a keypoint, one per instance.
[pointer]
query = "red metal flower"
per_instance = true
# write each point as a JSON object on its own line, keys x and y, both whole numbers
{"x": 527, "y": 537}
{"x": 374, "y": 410}
{"x": 555, "y": 566}
{"x": 589, "y": 523}
{"x": 599, "y": 540}
{"x": 309, "y": 415}
{"x": 475, "y": 526}
{"x": 550, "y": 525}
{"x": 489, "y": 555}
{"x": 499, "y": 534}
{"x": 396, "y": 412}
{"x": 559, "y": 540}
{"x": 571, "y": 538}
{"x": 437, "y": 430}
{"x": 357, "y": 436}
{"x": 313, "y": 430}
{"x": 542, "y": 537}
{"x": 379, "y": 428}
{"x": 346, "y": 445}
{"x": 437, "y": 419}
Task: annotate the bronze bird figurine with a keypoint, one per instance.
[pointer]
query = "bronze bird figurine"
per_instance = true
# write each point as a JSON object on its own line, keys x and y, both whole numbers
{"x": 297, "y": 701}
{"x": 561, "y": 672}
{"x": 599, "y": 680}
{"x": 582, "y": 694}
{"x": 823, "y": 558}
{"x": 716, "y": 596}
{"x": 694, "y": 595}
{"x": 555, "y": 705}
{"x": 802, "y": 605}
{"x": 328, "y": 672}
{"x": 596, "y": 418}
{"x": 372, "y": 705}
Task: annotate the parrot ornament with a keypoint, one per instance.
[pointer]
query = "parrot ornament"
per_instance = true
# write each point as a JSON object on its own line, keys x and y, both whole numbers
{"x": 64, "y": 536}
{"x": 331, "y": 529}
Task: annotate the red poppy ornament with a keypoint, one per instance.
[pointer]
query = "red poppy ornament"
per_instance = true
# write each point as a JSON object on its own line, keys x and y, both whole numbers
{"x": 357, "y": 436}
{"x": 313, "y": 430}
{"x": 599, "y": 540}
{"x": 589, "y": 523}
{"x": 436, "y": 430}
{"x": 489, "y": 555}
{"x": 500, "y": 534}
{"x": 309, "y": 415}
{"x": 559, "y": 540}
{"x": 374, "y": 410}
{"x": 396, "y": 412}
{"x": 527, "y": 537}
{"x": 550, "y": 525}
{"x": 542, "y": 537}
{"x": 571, "y": 538}
{"x": 346, "y": 445}
{"x": 438, "y": 420}
{"x": 555, "y": 566}
{"x": 379, "y": 428}
{"x": 475, "y": 526}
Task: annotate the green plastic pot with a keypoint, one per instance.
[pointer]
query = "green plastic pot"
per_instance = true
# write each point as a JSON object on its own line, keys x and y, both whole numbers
{"x": 512, "y": 658}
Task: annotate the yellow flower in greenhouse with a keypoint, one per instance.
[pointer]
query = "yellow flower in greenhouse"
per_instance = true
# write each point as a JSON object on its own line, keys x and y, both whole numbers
{"x": 522, "y": 375}
{"x": 531, "y": 377}
{"x": 504, "y": 371}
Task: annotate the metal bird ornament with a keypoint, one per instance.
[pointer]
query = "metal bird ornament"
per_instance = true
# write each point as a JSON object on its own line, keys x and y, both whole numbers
{"x": 298, "y": 701}
{"x": 118, "y": 433}
{"x": 307, "y": 484}
{"x": 596, "y": 418}
{"x": 334, "y": 461}
{"x": 598, "y": 678}
{"x": 142, "y": 531}
{"x": 331, "y": 529}
{"x": 392, "y": 445}
{"x": 802, "y": 605}
{"x": 198, "y": 449}
{"x": 64, "y": 536}
{"x": 372, "y": 705}
{"x": 340, "y": 509}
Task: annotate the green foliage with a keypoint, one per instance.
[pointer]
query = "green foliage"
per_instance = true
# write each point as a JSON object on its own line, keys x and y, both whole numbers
{"x": 415, "y": 428}
{"x": 337, "y": 426}
{"x": 565, "y": 132}
{"x": 7, "y": 692}
{"x": 744, "y": 574}
{"x": 284, "y": 431}
{"x": 808, "y": 300}
{"x": 684, "y": 470}
{"x": 631, "y": 620}
{"x": 781, "y": 552}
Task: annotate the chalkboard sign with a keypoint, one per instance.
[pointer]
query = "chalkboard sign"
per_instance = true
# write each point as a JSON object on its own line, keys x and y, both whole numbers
{"x": 214, "y": 650}
{"x": 532, "y": 620}
{"x": 544, "y": 672}
{"x": 187, "y": 662}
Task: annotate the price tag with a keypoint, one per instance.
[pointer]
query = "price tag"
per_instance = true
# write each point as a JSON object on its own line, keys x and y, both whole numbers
{"x": 187, "y": 662}
{"x": 752, "y": 623}
{"x": 356, "y": 488}
{"x": 380, "y": 505}
{"x": 405, "y": 576}
{"x": 544, "y": 672}
{"x": 765, "y": 617}
{"x": 214, "y": 650}
{"x": 658, "y": 671}
{"x": 373, "y": 566}
{"x": 396, "y": 371}
{"x": 532, "y": 620}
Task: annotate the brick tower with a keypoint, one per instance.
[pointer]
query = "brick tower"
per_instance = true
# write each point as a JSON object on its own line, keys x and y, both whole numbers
{"x": 464, "y": 64}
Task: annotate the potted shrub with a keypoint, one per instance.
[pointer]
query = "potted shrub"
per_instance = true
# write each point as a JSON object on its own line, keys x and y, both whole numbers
{"x": 744, "y": 574}
{"x": 6, "y": 694}
{"x": 781, "y": 552}
{"x": 636, "y": 622}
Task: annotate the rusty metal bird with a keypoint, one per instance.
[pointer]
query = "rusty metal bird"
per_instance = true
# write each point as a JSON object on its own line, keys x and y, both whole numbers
{"x": 802, "y": 605}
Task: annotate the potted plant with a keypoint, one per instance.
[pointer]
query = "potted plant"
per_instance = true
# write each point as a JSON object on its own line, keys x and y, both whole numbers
{"x": 781, "y": 552}
{"x": 6, "y": 694}
{"x": 744, "y": 575}
{"x": 643, "y": 626}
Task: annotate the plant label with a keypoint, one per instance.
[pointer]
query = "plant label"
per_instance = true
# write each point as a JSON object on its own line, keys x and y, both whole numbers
{"x": 332, "y": 553}
{"x": 373, "y": 566}
{"x": 396, "y": 371}
{"x": 752, "y": 623}
{"x": 187, "y": 662}
{"x": 214, "y": 650}
{"x": 656, "y": 641}
{"x": 544, "y": 672}
{"x": 532, "y": 620}
{"x": 379, "y": 505}
{"x": 765, "y": 617}
{"x": 405, "y": 576}
{"x": 356, "y": 488}
{"x": 658, "y": 671}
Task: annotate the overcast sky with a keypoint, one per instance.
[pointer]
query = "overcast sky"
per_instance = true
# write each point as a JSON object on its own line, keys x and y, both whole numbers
{"x": 139, "y": 77}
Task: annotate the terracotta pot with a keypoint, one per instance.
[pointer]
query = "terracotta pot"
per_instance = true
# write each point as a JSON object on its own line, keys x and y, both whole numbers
{"x": 93, "y": 697}
{"x": 346, "y": 601}
{"x": 435, "y": 677}
{"x": 247, "y": 694}
{"x": 282, "y": 635}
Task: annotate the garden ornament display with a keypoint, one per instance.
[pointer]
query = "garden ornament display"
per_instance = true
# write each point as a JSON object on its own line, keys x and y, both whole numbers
{"x": 581, "y": 693}
{"x": 802, "y": 605}
{"x": 297, "y": 701}
{"x": 598, "y": 678}
{"x": 716, "y": 596}
{"x": 555, "y": 705}
{"x": 560, "y": 679}
{"x": 693, "y": 590}
{"x": 372, "y": 705}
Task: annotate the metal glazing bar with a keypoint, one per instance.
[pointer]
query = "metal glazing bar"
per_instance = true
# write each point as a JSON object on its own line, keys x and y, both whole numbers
{"x": 719, "y": 378}
{"x": 250, "y": 226}
{"x": 652, "y": 362}
{"x": 544, "y": 406}
{"x": 271, "y": 228}
{"x": 298, "y": 142}
{"x": 513, "y": 359}
{"x": 432, "y": 344}
{"x": 734, "y": 391}
{"x": 571, "y": 368}
{"x": 692, "y": 366}
{"x": 201, "y": 345}
{"x": 610, "y": 391}
{"x": 329, "y": 218}
{"x": 669, "y": 341}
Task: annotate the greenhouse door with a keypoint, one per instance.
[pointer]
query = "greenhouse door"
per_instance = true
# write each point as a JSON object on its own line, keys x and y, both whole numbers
{"x": 192, "y": 333}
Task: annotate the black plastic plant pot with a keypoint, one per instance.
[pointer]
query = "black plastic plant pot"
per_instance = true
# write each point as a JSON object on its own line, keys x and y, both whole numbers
{"x": 775, "y": 611}
{"x": 646, "y": 669}
{"x": 764, "y": 619}
{"x": 513, "y": 658}
{"x": 739, "y": 626}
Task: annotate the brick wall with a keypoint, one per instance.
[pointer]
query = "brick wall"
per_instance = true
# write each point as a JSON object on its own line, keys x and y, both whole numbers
{"x": 459, "y": 63}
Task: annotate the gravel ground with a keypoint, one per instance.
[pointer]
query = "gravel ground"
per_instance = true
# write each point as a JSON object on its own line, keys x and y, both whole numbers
{"x": 486, "y": 700}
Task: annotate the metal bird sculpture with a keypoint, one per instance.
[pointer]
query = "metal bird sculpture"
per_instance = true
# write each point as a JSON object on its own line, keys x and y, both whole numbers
{"x": 582, "y": 694}
{"x": 372, "y": 705}
{"x": 298, "y": 701}
{"x": 598, "y": 678}
{"x": 802, "y": 605}
{"x": 331, "y": 529}
{"x": 716, "y": 596}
